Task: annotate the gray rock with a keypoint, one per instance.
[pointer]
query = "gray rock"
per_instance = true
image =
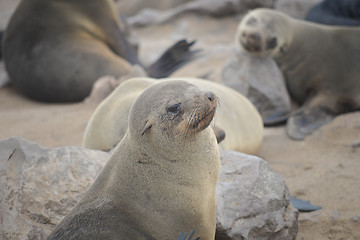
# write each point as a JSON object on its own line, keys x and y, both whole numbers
{"x": 207, "y": 7}
{"x": 260, "y": 80}
{"x": 38, "y": 186}
{"x": 4, "y": 78}
{"x": 252, "y": 200}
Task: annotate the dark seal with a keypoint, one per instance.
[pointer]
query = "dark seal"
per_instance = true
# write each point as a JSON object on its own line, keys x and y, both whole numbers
{"x": 336, "y": 12}
{"x": 55, "y": 50}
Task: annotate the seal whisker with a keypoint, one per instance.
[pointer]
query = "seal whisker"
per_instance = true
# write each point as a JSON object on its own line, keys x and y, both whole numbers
{"x": 190, "y": 119}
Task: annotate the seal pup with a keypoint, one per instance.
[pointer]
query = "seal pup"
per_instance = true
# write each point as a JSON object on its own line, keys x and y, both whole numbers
{"x": 321, "y": 64}
{"x": 55, "y": 50}
{"x": 236, "y": 116}
{"x": 161, "y": 179}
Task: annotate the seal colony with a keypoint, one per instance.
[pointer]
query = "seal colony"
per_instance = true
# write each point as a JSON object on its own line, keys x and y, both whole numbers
{"x": 55, "y": 50}
{"x": 161, "y": 179}
{"x": 321, "y": 64}
{"x": 236, "y": 115}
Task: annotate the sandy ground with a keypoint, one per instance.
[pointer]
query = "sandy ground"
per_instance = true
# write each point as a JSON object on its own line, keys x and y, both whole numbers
{"x": 325, "y": 168}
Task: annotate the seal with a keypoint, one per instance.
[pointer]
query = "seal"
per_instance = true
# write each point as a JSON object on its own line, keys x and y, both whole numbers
{"x": 320, "y": 63}
{"x": 161, "y": 179}
{"x": 236, "y": 115}
{"x": 55, "y": 50}
{"x": 333, "y": 12}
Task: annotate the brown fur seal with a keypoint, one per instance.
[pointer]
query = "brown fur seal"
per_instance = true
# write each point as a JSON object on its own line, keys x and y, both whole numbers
{"x": 321, "y": 64}
{"x": 55, "y": 50}
{"x": 161, "y": 179}
{"x": 236, "y": 115}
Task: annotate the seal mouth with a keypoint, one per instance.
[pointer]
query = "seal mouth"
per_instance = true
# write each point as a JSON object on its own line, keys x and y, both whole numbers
{"x": 199, "y": 122}
{"x": 251, "y": 41}
{"x": 250, "y": 47}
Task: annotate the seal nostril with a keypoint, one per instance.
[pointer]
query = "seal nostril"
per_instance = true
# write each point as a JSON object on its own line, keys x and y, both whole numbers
{"x": 210, "y": 96}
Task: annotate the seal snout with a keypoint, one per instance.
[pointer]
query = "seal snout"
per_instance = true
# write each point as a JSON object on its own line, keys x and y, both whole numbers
{"x": 204, "y": 108}
{"x": 251, "y": 41}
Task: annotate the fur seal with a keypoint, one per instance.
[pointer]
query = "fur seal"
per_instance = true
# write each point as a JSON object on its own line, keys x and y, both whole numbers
{"x": 320, "y": 63}
{"x": 161, "y": 179}
{"x": 335, "y": 12}
{"x": 55, "y": 50}
{"x": 236, "y": 115}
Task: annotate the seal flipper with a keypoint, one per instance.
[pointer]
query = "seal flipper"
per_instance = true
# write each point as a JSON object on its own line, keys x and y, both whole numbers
{"x": 303, "y": 205}
{"x": 219, "y": 133}
{"x": 172, "y": 59}
{"x": 182, "y": 236}
{"x": 306, "y": 120}
{"x": 278, "y": 118}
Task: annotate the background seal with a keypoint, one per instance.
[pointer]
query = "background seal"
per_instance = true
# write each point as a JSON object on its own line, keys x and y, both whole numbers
{"x": 236, "y": 115}
{"x": 321, "y": 64}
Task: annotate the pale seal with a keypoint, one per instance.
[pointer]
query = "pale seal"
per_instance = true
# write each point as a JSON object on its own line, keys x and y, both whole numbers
{"x": 55, "y": 50}
{"x": 161, "y": 179}
{"x": 236, "y": 115}
{"x": 321, "y": 64}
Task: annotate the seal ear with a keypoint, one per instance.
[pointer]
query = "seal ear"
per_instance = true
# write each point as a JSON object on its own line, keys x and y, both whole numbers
{"x": 148, "y": 125}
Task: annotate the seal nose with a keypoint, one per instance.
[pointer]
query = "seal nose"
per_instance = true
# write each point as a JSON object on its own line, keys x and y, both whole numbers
{"x": 210, "y": 96}
{"x": 253, "y": 36}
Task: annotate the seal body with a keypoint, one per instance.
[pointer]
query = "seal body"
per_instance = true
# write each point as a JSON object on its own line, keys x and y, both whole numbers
{"x": 236, "y": 115}
{"x": 321, "y": 64}
{"x": 55, "y": 50}
{"x": 161, "y": 179}
{"x": 334, "y": 12}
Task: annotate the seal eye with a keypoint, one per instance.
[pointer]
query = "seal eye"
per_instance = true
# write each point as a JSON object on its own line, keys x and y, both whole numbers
{"x": 174, "y": 109}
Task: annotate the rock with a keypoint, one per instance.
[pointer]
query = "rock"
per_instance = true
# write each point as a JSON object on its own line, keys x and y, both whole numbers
{"x": 4, "y": 78}
{"x": 252, "y": 200}
{"x": 261, "y": 81}
{"x": 130, "y": 8}
{"x": 208, "y": 65}
{"x": 206, "y": 7}
{"x": 40, "y": 186}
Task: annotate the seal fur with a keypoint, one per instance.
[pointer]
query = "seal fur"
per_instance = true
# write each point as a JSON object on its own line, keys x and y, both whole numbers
{"x": 55, "y": 50}
{"x": 161, "y": 179}
{"x": 321, "y": 64}
{"x": 236, "y": 115}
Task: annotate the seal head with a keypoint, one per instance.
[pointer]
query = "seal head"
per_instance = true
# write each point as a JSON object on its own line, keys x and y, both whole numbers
{"x": 260, "y": 34}
{"x": 185, "y": 114}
